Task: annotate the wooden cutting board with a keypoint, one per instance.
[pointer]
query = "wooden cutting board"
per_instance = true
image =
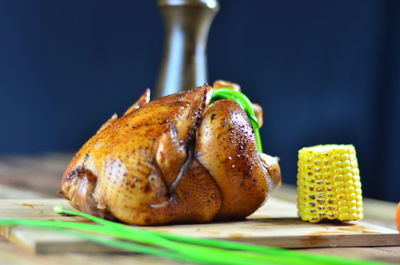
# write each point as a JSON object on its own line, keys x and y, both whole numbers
{"x": 275, "y": 224}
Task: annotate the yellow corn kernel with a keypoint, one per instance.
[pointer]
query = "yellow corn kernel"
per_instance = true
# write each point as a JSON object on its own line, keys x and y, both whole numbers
{"x": 328, "y": 184}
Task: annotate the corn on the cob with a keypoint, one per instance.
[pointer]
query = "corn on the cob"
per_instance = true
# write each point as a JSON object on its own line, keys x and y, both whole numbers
{"x": 328, "y": 184}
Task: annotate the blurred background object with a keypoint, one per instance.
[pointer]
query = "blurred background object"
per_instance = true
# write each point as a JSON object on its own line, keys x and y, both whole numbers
{"x": 184, "y": 61}
{"x": 324, "y": 72}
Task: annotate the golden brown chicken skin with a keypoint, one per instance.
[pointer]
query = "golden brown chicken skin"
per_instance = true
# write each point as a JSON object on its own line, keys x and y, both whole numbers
{"x": 176, "y": 159}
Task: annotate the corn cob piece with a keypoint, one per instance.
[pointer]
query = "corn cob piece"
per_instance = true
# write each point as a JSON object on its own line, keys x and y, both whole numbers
{"x": 328, "y": 184}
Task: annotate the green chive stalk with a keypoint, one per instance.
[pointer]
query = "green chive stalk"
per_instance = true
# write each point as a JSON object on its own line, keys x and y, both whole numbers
{"x": 187, "y": 252}
{"x": 189, "y": 249}
{"x": 297, "y": 257}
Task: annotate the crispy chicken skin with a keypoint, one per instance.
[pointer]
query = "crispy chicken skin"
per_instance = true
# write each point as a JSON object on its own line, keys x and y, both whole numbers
{"x": 176, "y": 159}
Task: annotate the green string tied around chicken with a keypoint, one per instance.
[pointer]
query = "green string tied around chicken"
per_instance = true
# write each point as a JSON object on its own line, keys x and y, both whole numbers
{"x": 245, "y": 103}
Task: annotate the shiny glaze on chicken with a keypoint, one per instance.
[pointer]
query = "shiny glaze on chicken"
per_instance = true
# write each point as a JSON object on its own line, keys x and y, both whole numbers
{"x": 176, "y": 159}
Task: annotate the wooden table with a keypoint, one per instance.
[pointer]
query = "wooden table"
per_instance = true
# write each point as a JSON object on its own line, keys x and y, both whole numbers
{"x": 38, "y": 177}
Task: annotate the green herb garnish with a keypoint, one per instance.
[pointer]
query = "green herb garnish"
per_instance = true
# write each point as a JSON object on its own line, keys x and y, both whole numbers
{"x": 189, "y": 249}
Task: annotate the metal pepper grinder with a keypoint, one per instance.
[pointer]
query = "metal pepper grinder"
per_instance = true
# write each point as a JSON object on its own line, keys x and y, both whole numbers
{"x": 184, "y": 63}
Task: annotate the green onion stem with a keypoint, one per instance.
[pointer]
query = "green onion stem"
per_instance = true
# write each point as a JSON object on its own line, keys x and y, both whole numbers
{"x": 245, "y": 103}
{"x": 296, "y": 257}
{"x": 211, "y": 251}
{"x": 194, "y": 253}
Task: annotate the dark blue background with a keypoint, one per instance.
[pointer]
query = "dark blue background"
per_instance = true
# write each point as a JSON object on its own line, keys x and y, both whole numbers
{"x": 324, "y": 71}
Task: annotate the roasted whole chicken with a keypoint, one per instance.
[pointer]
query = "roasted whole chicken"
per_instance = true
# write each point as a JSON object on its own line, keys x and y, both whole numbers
{"x": 176, "y": 159}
